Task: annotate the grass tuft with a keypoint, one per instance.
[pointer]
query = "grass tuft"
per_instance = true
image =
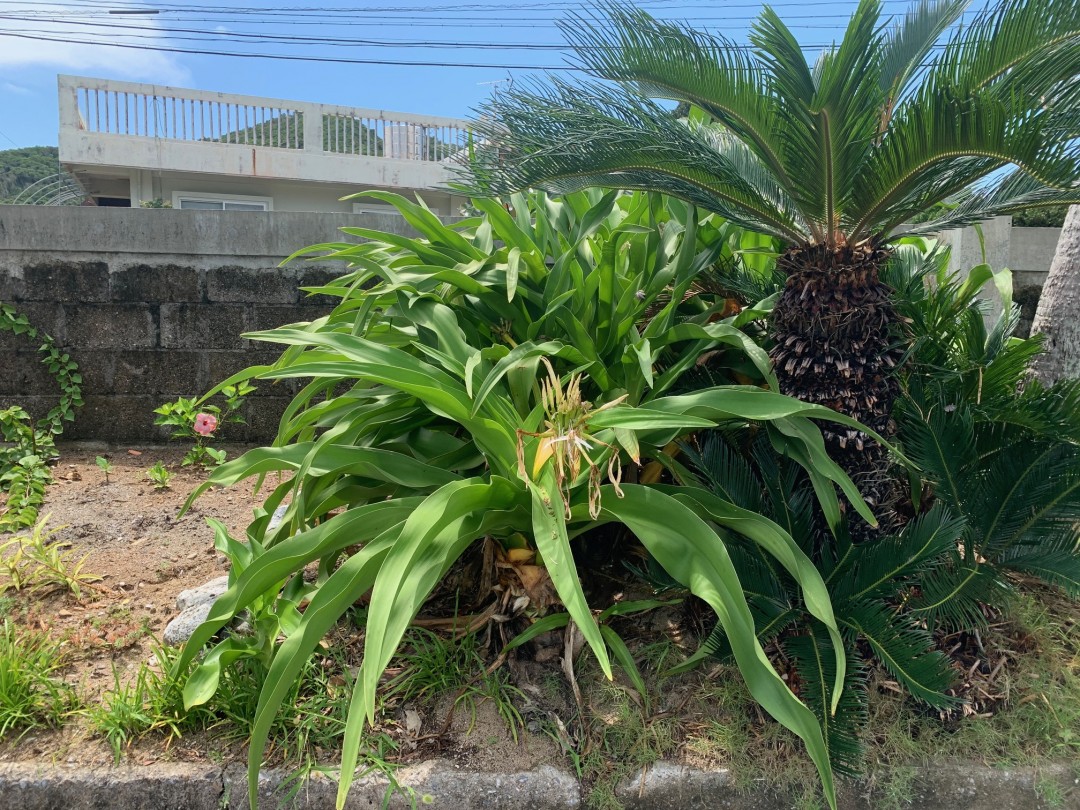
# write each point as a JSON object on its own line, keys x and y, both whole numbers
{"x": 30, "y": 695}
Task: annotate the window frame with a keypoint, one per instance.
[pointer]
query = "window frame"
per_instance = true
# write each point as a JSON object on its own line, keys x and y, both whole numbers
{"x": 206, "y": 196}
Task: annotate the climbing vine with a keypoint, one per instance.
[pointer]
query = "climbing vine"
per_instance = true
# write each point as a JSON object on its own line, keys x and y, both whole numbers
{"x": 28, "y": 446}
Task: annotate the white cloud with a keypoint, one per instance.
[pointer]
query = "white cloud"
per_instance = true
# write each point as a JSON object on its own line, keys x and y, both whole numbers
{"x": 56, "y": 25}
{"x": 16, "y": 89}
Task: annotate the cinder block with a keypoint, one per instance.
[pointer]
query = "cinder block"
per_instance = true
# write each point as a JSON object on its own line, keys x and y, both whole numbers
{"x": 45, "y": 317}
{"x": 36, "y": 406}
{"x": 167, "y": 373}
{"x": 96, "y": 369}
{"x": 317, "y": 276}
{"x": 263, "y": 414}
{"x": 158, "y": 284}
{"x": 271, "y": 317}
{"x": 110, "y": 326}
{"x": 120, "y": 419}
{"x": 12, "y": 285}
{"x": 203, "y": 326}
{"x": 271, "y": 285}
{"x": 67, "y": 282}
{"x": 23, "y": 374}
{"x": 222, "y": 365}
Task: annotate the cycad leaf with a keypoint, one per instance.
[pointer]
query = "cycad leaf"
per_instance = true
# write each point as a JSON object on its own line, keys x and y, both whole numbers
{"x": 814, "y": 658}
{"x": 906, "y": 651}
{"x": 953, "y": 595}
{"x": 1059, "y": 567}
{"x": 879, "y": 568}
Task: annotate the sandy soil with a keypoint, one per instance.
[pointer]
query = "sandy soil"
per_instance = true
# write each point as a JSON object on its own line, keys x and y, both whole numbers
{"x": 145, "y": 556}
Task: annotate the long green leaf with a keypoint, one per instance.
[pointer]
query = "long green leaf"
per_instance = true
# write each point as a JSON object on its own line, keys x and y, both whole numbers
{"x": 549, "y": 532}
{"x": 695, "y": 556}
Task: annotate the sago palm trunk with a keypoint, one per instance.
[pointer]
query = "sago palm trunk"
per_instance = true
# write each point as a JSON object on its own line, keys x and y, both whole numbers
{"x": 836, "y": 345}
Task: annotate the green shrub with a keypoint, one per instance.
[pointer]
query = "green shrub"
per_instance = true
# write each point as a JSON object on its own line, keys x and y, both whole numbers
{"x": 492, "y": 379}
{"x": 998, "y": 495}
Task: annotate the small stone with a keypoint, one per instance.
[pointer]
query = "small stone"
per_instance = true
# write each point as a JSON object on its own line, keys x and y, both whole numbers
{"x": 205, "y": 593}
{"x": 277, "y": 518}
{"x": 64, "y": 614}
{"x": 180, "y": 629}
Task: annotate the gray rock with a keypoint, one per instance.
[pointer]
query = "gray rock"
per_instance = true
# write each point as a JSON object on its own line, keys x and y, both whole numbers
{"x": 206, "y": 592}
{"x": 179, "y": 630}
{"x": 277, "y": 518}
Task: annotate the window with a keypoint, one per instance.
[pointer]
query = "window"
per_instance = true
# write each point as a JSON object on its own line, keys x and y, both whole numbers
{"x": 220, "y": 202}
{"x": 371, "y": 207}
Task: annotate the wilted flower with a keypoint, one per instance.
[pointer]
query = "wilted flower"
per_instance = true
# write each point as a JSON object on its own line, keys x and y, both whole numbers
{"x": 205, "y": 424}
{"x": 567, "y": 443}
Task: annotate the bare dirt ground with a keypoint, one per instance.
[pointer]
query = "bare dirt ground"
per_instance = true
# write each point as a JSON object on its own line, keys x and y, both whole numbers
{"x": 145, "y": 555}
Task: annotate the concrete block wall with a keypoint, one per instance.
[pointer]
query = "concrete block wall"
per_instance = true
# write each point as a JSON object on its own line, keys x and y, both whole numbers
{"x": 152, "y": 303}
{"x": 144, "y": 335}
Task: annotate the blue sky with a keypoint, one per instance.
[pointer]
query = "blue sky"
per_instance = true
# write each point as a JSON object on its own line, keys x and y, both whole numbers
{"x": 39, "y": 39}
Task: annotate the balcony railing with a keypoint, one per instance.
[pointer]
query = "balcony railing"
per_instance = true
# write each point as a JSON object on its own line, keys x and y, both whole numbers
{"x": 106, "y": 107}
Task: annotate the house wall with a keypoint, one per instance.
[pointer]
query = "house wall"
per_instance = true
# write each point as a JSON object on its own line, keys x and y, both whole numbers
{"x": 143, "y": 185}
{"x": 151, "y": 305}
{"x": 1027, "y": 252}
{"x": 143, "y": 142}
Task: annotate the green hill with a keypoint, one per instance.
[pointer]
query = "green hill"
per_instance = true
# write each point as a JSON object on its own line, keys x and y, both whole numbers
{"x": 20, "y": 168}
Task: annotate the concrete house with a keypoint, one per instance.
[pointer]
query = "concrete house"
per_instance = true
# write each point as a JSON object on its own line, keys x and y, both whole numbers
{"x": 127, "y": 144}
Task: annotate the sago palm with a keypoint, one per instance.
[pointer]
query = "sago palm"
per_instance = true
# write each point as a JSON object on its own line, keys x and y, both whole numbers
{"x": 834, "y": 157}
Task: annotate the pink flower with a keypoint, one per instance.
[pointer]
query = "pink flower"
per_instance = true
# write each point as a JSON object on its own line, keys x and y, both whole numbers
{"x": 205, "y": 424}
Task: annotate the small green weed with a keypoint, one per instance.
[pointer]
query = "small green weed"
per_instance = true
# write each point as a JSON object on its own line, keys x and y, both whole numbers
{"x": 149, "y": 702}
{"x": 105, "y": 466}
{"x": 159, "y": 475}
{"x": 39, "y": 561}
{"x": 30, "y": 695}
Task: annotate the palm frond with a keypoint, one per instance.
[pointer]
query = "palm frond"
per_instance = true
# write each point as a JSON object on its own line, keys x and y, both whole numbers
{"x": 1052, "y": 412}
{"x": 880, "y": 569}
{"x": 953, "y": 595}
{"x": 1017, "y": 191}
{"x": 565, "y": 137}
{"x": 1028, "y": 45}
{"x": 938, "y": 144}
{"x": 1059, "y": 566}
{"x": 846, "y": 110}
{"x": 906, "y": 651}
{"x": 941, "y": 442}
{"x": 815, "y": 664}
{"x": 1029, "y": 493}
{"x": 908, "y": 42}
{"x": 725, "y": 470}
{"x": 664, "y": 60}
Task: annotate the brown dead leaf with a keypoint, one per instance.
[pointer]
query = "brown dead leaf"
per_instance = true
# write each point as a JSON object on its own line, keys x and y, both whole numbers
{"x": 538, "y": 586}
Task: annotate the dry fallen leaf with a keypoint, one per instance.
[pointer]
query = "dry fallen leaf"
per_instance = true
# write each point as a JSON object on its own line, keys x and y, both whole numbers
{"x": 413, "y": 723}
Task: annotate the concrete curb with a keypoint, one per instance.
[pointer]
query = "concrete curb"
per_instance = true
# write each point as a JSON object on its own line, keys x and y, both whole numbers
{"x": 440, "y": 784}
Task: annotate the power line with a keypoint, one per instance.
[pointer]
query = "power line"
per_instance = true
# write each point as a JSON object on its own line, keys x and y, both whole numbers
{"x": 9, "y": 140}
{"x": 295, "y": 39}
{"x": 286, "y": 57}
